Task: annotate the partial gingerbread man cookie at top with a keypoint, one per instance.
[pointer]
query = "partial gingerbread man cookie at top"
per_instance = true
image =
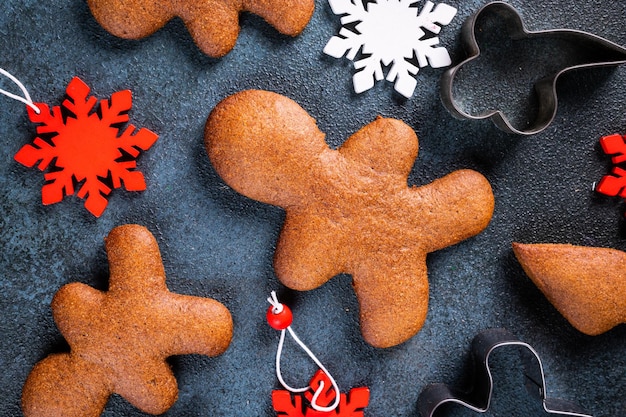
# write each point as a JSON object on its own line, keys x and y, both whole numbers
{"x": 213, "y": 24}
{"x": 587, "y": 285}
{"x": 348, "y": 210}
{"x": 119, "y": 339}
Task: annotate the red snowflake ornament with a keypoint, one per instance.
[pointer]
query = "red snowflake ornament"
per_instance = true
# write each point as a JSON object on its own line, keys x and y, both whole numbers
{"x": 298, "y": 405}
{"x": 614, "y": 184}
{"x": 85, "y": 147}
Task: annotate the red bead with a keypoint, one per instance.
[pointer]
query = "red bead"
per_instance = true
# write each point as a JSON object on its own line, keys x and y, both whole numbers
{"x": 279, "y": 321}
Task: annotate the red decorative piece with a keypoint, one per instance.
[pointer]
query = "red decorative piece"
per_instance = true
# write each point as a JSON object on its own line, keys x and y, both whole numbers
{"x": 287, "y": 404}
{"x": 279, "y": 321}
{"x": 614, "y": 184}
{"x": 614, "y": 145}
{"x": 86, "y": 147}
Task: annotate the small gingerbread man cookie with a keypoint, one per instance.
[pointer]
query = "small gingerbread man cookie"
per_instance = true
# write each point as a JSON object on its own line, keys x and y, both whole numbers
{"x": 120, "y": 338}
{"x": 213, "y": 24}
{"x": 348, "y": 210}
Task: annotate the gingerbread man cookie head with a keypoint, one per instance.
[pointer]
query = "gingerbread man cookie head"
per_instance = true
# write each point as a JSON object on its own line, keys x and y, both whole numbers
{"x": 134, "y": 264}
{"x": 348, "y": 210}
{"x": 213, "y": 24}
{"x": 120, "y": 339}
{"x": 262, "y": 172}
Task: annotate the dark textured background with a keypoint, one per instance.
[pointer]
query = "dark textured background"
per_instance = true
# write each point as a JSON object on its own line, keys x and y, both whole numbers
{"x": 218, "y": 244}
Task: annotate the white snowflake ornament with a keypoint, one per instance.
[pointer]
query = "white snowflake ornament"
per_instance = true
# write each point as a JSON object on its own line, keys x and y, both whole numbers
{"x": 390, "y": 32}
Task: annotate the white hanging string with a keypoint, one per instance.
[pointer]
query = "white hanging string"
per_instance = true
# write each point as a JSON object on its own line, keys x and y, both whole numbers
{"x": 26, "y": 99}
{"x": 278, "y": 307}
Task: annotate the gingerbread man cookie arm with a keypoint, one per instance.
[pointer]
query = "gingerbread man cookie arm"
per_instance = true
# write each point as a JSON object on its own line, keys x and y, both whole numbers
{"x": 386, "y": 146}
{"x": 206, "y": 327}
{"x": 461, "y": 205}
{"x": 72, "y": 308}
{"x": 587, "y": 285}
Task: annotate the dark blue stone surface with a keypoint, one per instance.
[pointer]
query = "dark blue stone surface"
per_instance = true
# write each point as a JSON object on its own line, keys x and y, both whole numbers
{"x": 219, "y": 244}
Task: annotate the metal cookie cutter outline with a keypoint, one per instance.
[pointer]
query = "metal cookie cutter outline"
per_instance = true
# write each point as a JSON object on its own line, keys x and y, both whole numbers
{"x": 545, "y": 88}
{"x": 479, "y": 398}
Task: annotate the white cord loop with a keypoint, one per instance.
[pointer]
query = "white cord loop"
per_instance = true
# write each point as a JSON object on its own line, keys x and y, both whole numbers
{"x": 273, "y": 300}
{"x": 278, "y": 307}
{"x": 26, "y": 99}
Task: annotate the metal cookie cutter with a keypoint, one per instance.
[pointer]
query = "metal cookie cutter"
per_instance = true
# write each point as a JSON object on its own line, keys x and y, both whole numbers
{"x": 479, "y": 399}
{"x": 590, "y": 50}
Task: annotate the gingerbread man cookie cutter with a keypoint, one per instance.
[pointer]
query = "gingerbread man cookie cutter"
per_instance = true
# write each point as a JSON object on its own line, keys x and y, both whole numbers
{"x": 348, "y": 210}
{"x": 590, "y": 51}
{"x": 120, "y": 339}
{"x": 479, "y": 398}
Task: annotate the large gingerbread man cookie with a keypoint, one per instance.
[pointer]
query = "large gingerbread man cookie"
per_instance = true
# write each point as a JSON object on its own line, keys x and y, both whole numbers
{"x": 348, "y": 210}
{"x": 120, "y": 339}
{"x": 213, "y": 24}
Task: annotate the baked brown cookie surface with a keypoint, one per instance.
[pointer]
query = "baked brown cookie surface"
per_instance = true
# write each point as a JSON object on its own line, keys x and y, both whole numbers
{"x": 586, "y": 284}
{"x": 120, "y": 339}
{"x": 213, "y": 24}
{"x": 348, "y": 210}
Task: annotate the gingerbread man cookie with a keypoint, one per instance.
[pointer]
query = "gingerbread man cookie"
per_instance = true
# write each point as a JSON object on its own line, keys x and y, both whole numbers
{"x": 586, "y": 285}
{"x": 120, "y": 338}
{"x": 213, "y": 24}
{"x": 348, "y": 210}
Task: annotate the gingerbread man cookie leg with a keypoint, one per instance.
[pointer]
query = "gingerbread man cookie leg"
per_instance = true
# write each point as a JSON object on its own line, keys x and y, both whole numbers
{"x": 316, "y": 261}
{"x": 393, "y": 298}
{"x": 348, "y": 210}
{"x": 51, "y": 388}
{"x": 120, "y": 339}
